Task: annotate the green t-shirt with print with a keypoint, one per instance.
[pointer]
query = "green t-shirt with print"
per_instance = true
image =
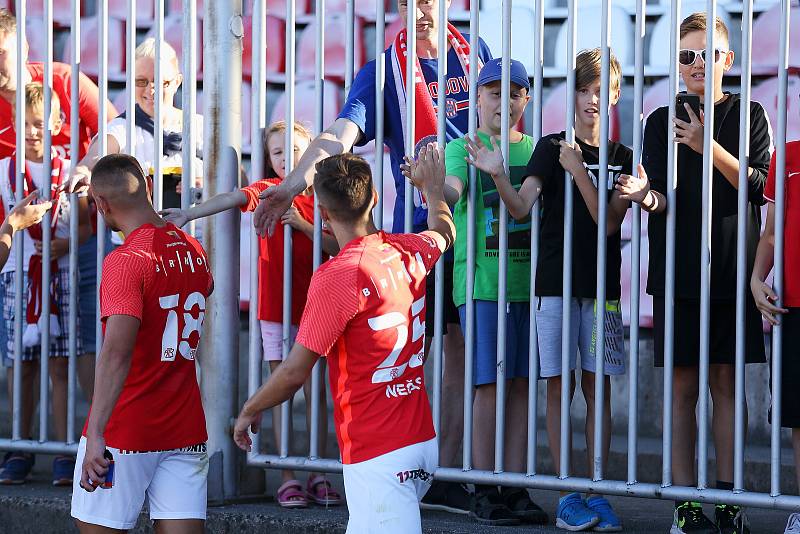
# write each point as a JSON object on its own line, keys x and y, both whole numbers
{"x": 487, "y": 224}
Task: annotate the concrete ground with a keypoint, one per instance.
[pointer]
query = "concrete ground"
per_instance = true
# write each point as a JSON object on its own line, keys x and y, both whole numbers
{"x": 36, "y": 507}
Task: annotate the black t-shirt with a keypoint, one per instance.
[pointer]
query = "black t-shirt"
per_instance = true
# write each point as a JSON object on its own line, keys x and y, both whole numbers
{"x": 545, "y": 165}
{"x": 688, "y": 204}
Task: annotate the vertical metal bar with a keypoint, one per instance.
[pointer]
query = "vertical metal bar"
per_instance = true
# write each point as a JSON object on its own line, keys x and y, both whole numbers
{"x": 257, "y": 157}
{"x": 287, "y": 230}
{"x": 158, "y": 134}
{"x": 533, "y": 335}
{"x": 47, "y": 237}
{"x": 602, "y": 225}
{"x": 16, "y": 430}
{"x": 411, "y": 76}
{"x": 705, "y": 250}
{"x": 669, "y": 277}
{"x": 566, "y": 374}
{"x": 636, "y": 246}
{"x": 502, "y": 263}
{"x": 380, "y": 78}
{"x": 102, "y": 139}
{"x": 130, "y": 53}
{"x": 441, "y": 139}
{"x": 780, "y": 180}
{"x": 319, "y": 86}
{"x": 189, "y": 100}
{"x": 349, "y": 46}
{"x": 469, "y": 332}
{"x": 741, "y": 244}
{"x": 222, "y": 143}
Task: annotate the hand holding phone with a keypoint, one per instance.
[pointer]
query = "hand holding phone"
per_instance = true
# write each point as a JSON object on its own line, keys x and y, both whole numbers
{"x": 680, "y": 106}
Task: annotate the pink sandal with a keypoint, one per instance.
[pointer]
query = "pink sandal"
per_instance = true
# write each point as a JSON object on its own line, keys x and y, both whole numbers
{"x": 319, "y": 491}
{"x": 290, "y": 495}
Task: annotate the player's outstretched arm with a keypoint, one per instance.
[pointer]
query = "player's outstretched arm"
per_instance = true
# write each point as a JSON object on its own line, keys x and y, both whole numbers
{"x": 212, "y": 206}
{"x": 112, "y": 369}
{"x": 427, "y": 174}
{"x": 281, "y": 386}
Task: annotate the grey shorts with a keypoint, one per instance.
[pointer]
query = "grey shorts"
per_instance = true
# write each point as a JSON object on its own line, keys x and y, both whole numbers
{"x": 583, "y": 335}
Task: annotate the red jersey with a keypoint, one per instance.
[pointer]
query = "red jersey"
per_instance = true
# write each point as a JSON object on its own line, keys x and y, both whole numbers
{"x": 160, "y": 275}
{"x": 88, "y": 103}
{"x": 791, "y": 226}
{"x": 270, "y": 262}
{"x": 366, "y": 311}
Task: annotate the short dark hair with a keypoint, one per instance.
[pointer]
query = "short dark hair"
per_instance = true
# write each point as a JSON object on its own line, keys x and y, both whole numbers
{"x": 116, "y": 164}
{"x": 698, "y": 22}
{"x": 343, "y": 184}
{"x": 120, "y": 179}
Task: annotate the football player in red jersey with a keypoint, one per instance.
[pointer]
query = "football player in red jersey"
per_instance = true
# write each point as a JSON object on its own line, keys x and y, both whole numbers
{"x": 146, "y": 411}
{"x": 366, "y": 313}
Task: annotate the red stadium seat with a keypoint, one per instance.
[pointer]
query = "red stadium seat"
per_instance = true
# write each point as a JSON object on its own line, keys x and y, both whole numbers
{"x": 90, "y": 57}
{"x": 173, "y": 34}
{"x": 392, "y": 30}
{"x": 555, "y": 109}
{"x": 62, "y": 10}
{"x": 276, "y": 46}
{"x": 278, "y": 7}
{"x": 247, "y": 115}
{"x": 176, "y": 6}
{"x": 655, "y": 96}
{"x": 37, "y": 43}
{"x": 363, "y": 8}
{"x": 459, "y": 6}
{"x": 645, "y": 300}
{"x": 766, "y": 39}
{"x": 145, "y": 11}
{"x": 767, "y": 93}
{"x": 305, "y": 104}
{"x": 335, "y": 64}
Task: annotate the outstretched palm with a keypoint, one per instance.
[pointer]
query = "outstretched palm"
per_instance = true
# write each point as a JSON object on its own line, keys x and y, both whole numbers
{"x": 488, "y": 159}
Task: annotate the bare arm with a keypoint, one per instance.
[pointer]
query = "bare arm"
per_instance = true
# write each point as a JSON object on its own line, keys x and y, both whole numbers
{"x": 763, "y": 294}
{"x": 637, "y": 189}
{"x": 427, "y": 175}
{"x": 453, "y": 189}
{"x": 112, "y": 369}
{"x": 281, "y": 385}
{"x": 212, "y": 206}
{"x": 22, "y": 216}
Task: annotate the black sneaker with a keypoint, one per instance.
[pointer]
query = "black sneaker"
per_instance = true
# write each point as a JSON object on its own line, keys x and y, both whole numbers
{"x": 519, "y": 502}
{"x": 488, "y": 508}
{"x": 731, "y": 519}
{"x": 689, "y": 519}
{"x": 447, "y": 497}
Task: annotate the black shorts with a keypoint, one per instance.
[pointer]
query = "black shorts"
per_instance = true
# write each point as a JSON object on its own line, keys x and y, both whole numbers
{"x": 790, "y": 369}
{"x": 722, "y": 332}
{"x": 449, "y": 311}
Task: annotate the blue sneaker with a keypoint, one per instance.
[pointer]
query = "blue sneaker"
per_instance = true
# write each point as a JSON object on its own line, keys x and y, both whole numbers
{"x": 63, "y": 470}
{"x": 574, "y": 515}
{"x": 609, "y": 522}
{"x": 16, "y": 468}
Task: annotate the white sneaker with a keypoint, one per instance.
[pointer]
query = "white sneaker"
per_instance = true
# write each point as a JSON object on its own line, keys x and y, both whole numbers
{"x": 793, "y": 525}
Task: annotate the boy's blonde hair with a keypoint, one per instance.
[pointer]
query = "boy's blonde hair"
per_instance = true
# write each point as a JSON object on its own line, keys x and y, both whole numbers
{"x": 34, "y": 101}
{"x": 279, "y": 127}
{"x": 588, "y": 69}
{"x": 698, "y": 22}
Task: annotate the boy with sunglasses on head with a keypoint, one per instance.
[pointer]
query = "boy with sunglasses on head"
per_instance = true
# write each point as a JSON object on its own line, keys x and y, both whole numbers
{"x": 689, "y": 516}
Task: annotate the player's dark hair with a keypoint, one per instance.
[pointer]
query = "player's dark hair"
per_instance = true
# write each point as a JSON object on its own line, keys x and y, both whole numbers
{"x": 118, "y": 172}
{"x": 344, "y": 185}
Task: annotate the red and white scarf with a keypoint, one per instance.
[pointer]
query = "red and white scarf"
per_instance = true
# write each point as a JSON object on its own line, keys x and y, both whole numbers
{"x": 33, "y": 309}
{"x": 424, "y": 112}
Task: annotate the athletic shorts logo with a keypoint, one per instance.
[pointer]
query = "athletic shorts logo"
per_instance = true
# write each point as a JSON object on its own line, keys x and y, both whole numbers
{"x": 414, "y": 474}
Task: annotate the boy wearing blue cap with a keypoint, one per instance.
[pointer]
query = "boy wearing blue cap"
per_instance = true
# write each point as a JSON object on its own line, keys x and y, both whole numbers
{"x": 489, "y": 505}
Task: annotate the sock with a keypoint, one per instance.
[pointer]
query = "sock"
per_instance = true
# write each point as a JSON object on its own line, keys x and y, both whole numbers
{"x": 680, "y": 503}
{"x": 724, "y": 485}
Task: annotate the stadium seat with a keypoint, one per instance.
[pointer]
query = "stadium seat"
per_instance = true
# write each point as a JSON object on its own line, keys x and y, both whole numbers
{"x": 335, "y": 63}
{"x": 622, "y": 38}
{"x": 305, "y": 104}
{"x": 658, "y": 53}
{"x": 392, "y": 30}
{"x": 522, "y": 20}
{"x": 766, "y": 39}
{"x": 37, "y": 42}
{"x": 278, "y": 7}
{"x": 145, "y": 11}
{"x": 176, "y": 6}
{"x": 62, "y": 11}
{"x": 655, "y": 96}
{"x": 626, "y": 275}
{"x": 555, "y": 108}
{"x": 276, "y": 46}
{"x": 173, "y": 34}
{"x": 767, "y": 93}
{"x": 365, "y": 9}
{"x": 90, "y": 56}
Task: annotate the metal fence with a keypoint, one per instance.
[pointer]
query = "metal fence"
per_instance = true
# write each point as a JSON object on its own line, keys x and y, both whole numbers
{"x": 222, "y": 53}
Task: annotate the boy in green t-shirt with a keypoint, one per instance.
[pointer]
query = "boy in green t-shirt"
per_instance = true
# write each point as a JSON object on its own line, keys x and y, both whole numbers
{"x": 514, "y": 504}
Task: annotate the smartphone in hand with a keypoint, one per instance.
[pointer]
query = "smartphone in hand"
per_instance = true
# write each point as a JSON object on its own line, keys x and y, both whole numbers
{"x": 680, "y": 109}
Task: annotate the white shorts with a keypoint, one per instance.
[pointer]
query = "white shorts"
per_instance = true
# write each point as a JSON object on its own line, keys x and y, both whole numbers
{"x": 272, "y": 339}
{"x": 583, "y": 334}
{"x": 383, "y": 493}
{"x": 173, "y": 482}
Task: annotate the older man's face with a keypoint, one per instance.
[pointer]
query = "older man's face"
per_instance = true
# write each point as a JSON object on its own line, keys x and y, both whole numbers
{"x": 8, "y": 61}
{"x": 427, "y": 16}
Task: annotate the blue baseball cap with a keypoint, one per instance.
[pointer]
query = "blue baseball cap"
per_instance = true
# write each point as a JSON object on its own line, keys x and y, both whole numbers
{"x": 492, "y": 71}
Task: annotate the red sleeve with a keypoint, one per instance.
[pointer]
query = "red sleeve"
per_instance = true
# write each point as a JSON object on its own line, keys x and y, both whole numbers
{"x": 423, "y": 245}
{"x": 252, "y": 191}
{"x": 769, "y": 189}
{"x": 122, "y": 288}
{"x": 324, "y": 322}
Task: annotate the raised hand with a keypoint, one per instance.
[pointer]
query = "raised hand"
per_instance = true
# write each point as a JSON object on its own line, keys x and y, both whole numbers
{"x": 427, "y": 172}
{"x": 690, "y": 133}
{"x": 275, "y": 201}
{"x": 633, "y": 188}
{"x": 487, "y": 159}
{"x": 176, "y": 216}
{"x": 26, "y": 214}
{"x": 570, "y": 157}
